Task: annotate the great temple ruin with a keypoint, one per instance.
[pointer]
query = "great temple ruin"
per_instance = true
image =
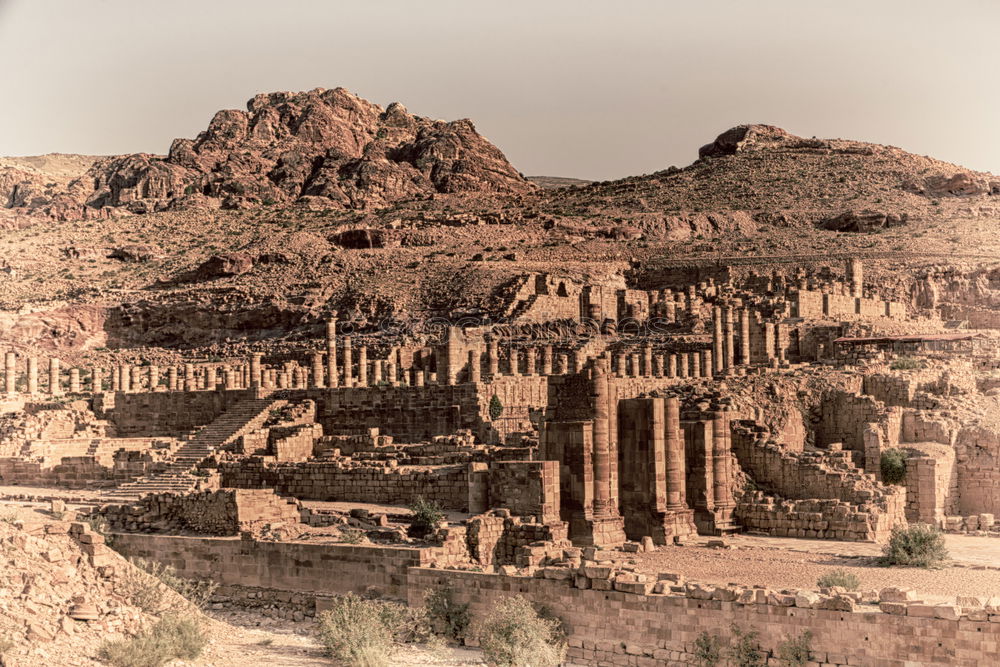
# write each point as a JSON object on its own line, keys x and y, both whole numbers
{"x": 594, "y": 420}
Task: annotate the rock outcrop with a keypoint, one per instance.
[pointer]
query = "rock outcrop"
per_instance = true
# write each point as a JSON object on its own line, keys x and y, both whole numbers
{"x": 324, "y": 147}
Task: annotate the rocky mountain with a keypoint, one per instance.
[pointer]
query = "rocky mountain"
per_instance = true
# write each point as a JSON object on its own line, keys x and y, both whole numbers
{"x": 326, "y": 148}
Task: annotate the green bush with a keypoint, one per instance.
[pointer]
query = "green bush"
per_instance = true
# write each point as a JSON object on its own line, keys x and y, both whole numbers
{"x": 707, "y": 650}
{"x": 513, "y": 634}
{"x": 794, "y": 651}
{"x": 447, "y": 617}
{"x": 906, "y": 364}
{"x": 839, "y": 577}
{"x": 745, "y": 649}
{"x": 363, "y": 633}
{"x": 427, "y": 514}
{"x": 919, "y": 545}
{"x": 170, "y": 638}
{"x": 893, "y": 466}
{"x": 496, "y": 408}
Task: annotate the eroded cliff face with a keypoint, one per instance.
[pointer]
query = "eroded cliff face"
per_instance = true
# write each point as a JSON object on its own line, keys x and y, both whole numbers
{"x": 324, "y": 147}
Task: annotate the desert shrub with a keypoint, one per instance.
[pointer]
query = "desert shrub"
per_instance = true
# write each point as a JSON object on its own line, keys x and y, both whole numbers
{"x": 906, "y": 364}
{"x": 447, "y": 617}
{"x": 919, "y": 545}
{"x": 893, "y": 466}
{"x": 707, "y": 650}
{"x": 145, "y": 586}
{"x": 839, "y": 577}
{"x": 170, "y": 638}
{"x": 794, "y": 651}
{"x": 513, "y": 634}
{"x": 496, "y": 408}
{"x": 427, "y": 514}
{"x": 8, "y": 516}
{"x": 745, "y": 649}
{"x": 362, "y": 633}
{"x": 351, "y": 535}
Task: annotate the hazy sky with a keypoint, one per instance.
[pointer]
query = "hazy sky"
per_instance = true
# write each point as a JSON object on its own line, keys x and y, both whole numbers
{"x": 564, "y": 87}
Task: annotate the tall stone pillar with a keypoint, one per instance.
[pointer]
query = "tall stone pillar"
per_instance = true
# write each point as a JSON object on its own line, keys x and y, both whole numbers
{"x": 332, "y": 375}
{"x": 769, "y": 346}
{"x": 562, "y": 364}
{"x": 579, "y": 359}
{"x": 393, "y": 376}
{"x": 363, "y": 365}
{"x": 695, "y": 364}
{"x": 211, "y": 379}
{"x": 172, "y": 378}
{"x": 855, "y": 277}
{"x": 10, "y": 373}
{"x": 125, "y": 379}
{"x": 744, "y": 337}
{"x": 96, "y": 378}
{"x": 229, "y": 378}
{"x": 475, "y": 371}
{"x": 647, "y": 360}
{"x": 676, "y": 471}
{"x": 717, "y": 343}
{"x": 530, "y": 355}
{"x": 514, "y": 361}
{"x": 600, "y": 395}
{"x": 55, "y": 388}
{"x": 492, "y": 357}
{"x": 154, "y": 377}
{"x": 448, "y": 374}
{"x": 256, "y": 369}
{"x": 682, "y": 364}
{"x": 722, "y": 491}
{"x": 317, "y": 370}
{"x": 620, "y": 364}
{"x": 658, "y": 366}
{"x": 189, "y": 384}
{"x": 547, "y": 360}
{"x": 672, "y": 366}
{"x": 74, "y": 380}
{"x": 707, "y": 369}
{"x": 348, "y": 359}
{"x": 728, "y": 345}
{"x": 378, "y": 372}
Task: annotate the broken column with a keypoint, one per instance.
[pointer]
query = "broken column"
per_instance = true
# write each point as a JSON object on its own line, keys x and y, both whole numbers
{"x": 347, "y": 357}
{"x": 744, "y": 337}
{"x": 172, "y": 378}
{"x": 211, "y": 379}
{"x": 10, "y": 373}
{"x": 855, "y": 277}
{"x": 96, "y": 378}
{"x": 154, "y": 377}
{"x": 317, "y": 371}
{"x": 474, "y": 367}
{"x": 547, "y": 360}
{"x": 54, "y": 387}
{"x": 189, "y": 384}
{"x": 332, "y": 375}
{"x": 492, "y": 357}
{"x": 717, "y": 344}
{"x": 74, "y": 380}
{"x": 256, "y": 378}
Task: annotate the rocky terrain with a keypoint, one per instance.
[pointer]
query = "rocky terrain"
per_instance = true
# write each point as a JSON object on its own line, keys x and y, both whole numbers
{"x": 305, "y": 203}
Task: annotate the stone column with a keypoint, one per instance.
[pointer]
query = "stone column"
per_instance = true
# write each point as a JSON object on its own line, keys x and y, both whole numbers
{"x": 317, "y": 370}
{"x": 722, "y": 493}
{"x": 492, "y": 357}
{"x": 647, "y": 360}
{"x": 475, "y": 371}
{"x": 390, "y": 371}
{"x": 695, "y": 365}
{"x": 154, "y": 377}
{"x": 332, "y": 376}
{"x": 229, "y": 377}
{"x": 448, "y": 373}
{"x": 547, "y": 360}
{"x": 727, "y": 336}
{"x": 600, "y": 394}
{"x": 172, "y": 378}
{"x": 514, "y": 361}
{"x": 96, "y": 379}
{"x": 256, "y": 378}
{"x": 74, "y": 380}
{"x": 211, "y": 379}
{"x": 10, "y": 373}
{"x": 691, "y": 300}
{"x": 676, "y": 472}
{"x": 579, "y": 359}
{"x": 348, "y": 358}
{"x": 682, "y": 364}
{"x": 363, "y": 365}
{"x": 418, "y": 378}
{"x": 672, "y": 366}
{"x": 658, "y": 366}
{"x": 189, "y": 384}
{"x": 717, "y": 344}
{"x": 745, "y": 337}
{"x": 769, "y": 345}
{"x": 530, "y": 355}
{"x": 562, "y": 364}
{"x": 55, "y": 388}
{"x": 620, "y": 370}
{"x": 855, "y": 277}
{"x": 706, "y": 363}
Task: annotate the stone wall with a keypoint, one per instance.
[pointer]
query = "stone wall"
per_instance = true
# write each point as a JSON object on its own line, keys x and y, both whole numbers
{"x": 446, "y": 485}
{"x": 616, "y": 627}
{"x": 843, "y": 417}
{"x": 164, "y": 413}
{"x": 526, "y": 488}
{"x": 224, "y": 512}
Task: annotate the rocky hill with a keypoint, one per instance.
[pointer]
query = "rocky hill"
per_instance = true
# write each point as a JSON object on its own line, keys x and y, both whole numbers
{"x": 327, "y": 148}
{"x": 287, "y": 219}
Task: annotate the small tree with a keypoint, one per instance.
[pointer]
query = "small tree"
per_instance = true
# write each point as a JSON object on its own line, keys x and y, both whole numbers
{"x": 893, "y": 466}
{"x": 447, "y": 616}
{"x": 427, "y": 514}
{"x": 496, "y": 408}
{"x": 707, "y": 650}
{"x": 919, "y": 545}
{"x": 745, "y": 649}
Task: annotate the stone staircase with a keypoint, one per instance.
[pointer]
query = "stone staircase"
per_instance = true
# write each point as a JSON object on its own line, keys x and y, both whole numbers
{"x": 242, "y": 417}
